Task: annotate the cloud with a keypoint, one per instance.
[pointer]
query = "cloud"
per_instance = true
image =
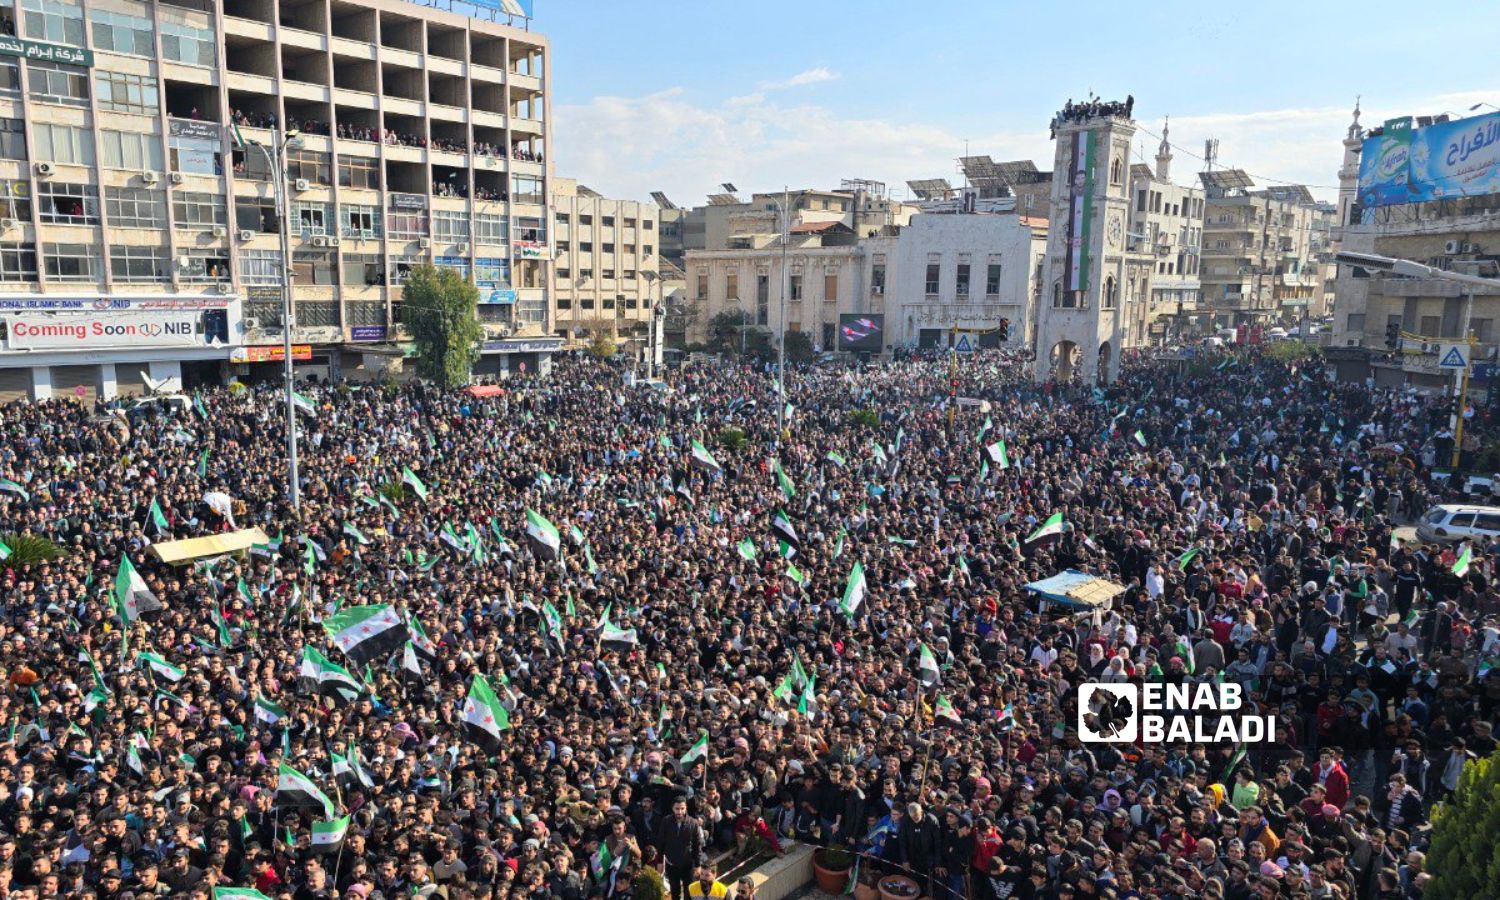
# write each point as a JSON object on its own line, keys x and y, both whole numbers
{"x": 816, "y": 75}
{"x": 629, "y": 146}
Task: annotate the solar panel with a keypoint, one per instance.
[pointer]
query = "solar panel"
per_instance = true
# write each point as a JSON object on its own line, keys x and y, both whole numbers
{"x": 661, "y": 200}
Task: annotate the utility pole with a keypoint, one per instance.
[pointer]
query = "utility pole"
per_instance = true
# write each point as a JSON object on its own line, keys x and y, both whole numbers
{"x": 786, "y": 282}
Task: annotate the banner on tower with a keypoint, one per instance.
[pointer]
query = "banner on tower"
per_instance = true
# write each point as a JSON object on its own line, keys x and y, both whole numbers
{"x": 1080, "y": 210}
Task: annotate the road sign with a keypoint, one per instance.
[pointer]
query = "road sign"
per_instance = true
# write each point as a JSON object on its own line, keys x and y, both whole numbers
{"x": 963, "y": 345}
{"x": 1453, "y": 356}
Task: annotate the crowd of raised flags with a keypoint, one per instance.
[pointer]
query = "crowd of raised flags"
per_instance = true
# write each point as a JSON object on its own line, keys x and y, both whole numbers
{"x": 713, "y": 606}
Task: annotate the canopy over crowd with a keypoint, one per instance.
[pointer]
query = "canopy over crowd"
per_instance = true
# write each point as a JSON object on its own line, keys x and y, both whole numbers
{"x": 529, "y": 645}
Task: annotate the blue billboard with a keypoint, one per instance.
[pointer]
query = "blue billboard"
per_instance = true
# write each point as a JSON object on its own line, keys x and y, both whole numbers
{"x": 1438, "y": 162}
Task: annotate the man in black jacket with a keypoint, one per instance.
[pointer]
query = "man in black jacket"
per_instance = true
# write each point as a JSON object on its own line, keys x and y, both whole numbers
{"x": 920, "y": 845}
{"x": 680, "y": 840}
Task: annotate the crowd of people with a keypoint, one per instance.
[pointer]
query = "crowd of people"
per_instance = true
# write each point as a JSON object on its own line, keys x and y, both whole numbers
{"x": 817, "y": 636}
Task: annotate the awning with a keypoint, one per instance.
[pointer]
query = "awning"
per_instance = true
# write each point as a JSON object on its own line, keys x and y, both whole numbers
{"x": 1076, "y": 590}
{"x": 181, "y": 552}
{"x": 484, "y": 390}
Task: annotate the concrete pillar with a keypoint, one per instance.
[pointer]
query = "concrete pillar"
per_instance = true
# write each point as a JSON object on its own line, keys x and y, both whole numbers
{"x": 41, "y": 382}
{"x": 108, "y": 386}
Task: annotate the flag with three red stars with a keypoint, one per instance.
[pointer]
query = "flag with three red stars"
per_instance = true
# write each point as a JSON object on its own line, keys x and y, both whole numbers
{"x": 484, "y": 717}
{"x": 367, "y": 633}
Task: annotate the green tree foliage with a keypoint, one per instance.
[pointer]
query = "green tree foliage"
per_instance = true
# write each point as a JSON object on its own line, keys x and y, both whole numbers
{"x": 867, "y": 418}
{"x": 29, "y": 549}
{"x": 799, "y": 347}
{"x": 438, "y": 308}
{"x": 732, "y": 438}
{"x": 1465, "y": 856}
{"x": 729, "y": 331}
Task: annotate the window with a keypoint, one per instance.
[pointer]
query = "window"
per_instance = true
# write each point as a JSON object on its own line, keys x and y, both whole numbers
{"x": 963, "y": 279}
{"x": 309, "y": 164}
{"x": 135, "y": 207}
{"x": 68, "y": 204}
{"x": 406, "y": 224}
{"x": 1430, "y": 324}
{"x": 607, "y": 248}
{"x": 1116, "y": 171}
{"x": 204, "y": 266}
{"x": 10, "y": 79}
{"x": 120, "y": 32}
{"x": 1483, "y": 329}
{"x": 359, "y": 172}
{"x": 732, "y": 286}
{"x": 702, "y": 288}
{"x": 992, "y": 280}
{"x": 607, "y": 221}
{"x": 367, "y": 269}
{"x": 71, "y": 262}
{"x": 196, "y": 156}
{"x": 830, "y": 286}
{"x": 877, "y": 279}
{"x": 1110, "y": 291}
{"x": 130, "y": 150}
{"x": 318, "y": 313}
{"x": 256, "y": 214}
{"x": 310, "y": 218}
{"x": 184, "y": 43}
{"x": 17, "y": 263}
{"x": 494, "y": 272}
{"x": 609, "y": 274}
{"x": 459, "y": 264}
{"x": 796, "y": 282}
{"x": 313, "y": 267}
{"x": 526, "y": 189}
{"x": 564, "y": 273}
{"x": 934, "y": 275}
{"x": 260, "y": 266}
{"x": 490, "y": 229}
{"x": 193, "y": 210}
{"x": 51, "y": 83}
{"x": 564, "y": 246}
{"x": 139, "y": 264}
{"x": 54, "y": 21}
{"x": 629, "y": 222}
{"x": 401, "y": 266}
{"x": 562, "y": 218}
{"x": 359, "y": 221}
{"x": 585, "y": 246}
{"x": 530, "y": 228}
{"x": 1355, "y": 322}
{"x": 12, "y": 139}
{"x": 648, "y": 224}
{"x": 1140, "y": 200}
{"x": 532, "y": 309}
{"x": 586, "y": 220}
{"x": 450, "y": 226}
{"x": 251, "y": 164}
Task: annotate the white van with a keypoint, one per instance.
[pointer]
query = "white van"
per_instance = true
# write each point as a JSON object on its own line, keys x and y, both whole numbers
{"x": 1452, "y": 522}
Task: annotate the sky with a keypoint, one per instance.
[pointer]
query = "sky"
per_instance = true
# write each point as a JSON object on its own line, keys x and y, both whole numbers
{"x": 682, "y": 96}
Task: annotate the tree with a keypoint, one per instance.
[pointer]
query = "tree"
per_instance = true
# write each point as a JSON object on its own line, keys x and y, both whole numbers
{"x": 1465, "y": 855}
{"x": 799, "y": 347}
{"x": 728, "y": 331}
{"x": 438, "y": 307}
{"x": 602, "y": 344}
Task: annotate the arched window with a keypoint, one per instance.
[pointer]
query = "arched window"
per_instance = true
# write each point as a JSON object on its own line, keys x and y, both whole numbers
{"x": 1116, "y": 171}
{"x": 1109, "y": 292}
{"x": 1056, "y": 294}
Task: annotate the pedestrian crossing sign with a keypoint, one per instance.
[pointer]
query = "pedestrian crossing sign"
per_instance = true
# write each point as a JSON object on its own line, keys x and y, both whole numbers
{"x": 1453, "y": 357}
{"x": 963, "y": 345}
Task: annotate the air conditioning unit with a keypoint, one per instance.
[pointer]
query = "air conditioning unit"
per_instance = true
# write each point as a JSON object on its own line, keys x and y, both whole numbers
{"x": 44, "y": 169}
{"x": 178, "y": 178}
{"x": 251, "y": 323}
{"x": 333, "y": 241}
{"x": 319, "y": 241}
{"x": 8, "y": 224}
{"x": 425, "y": 243}
{"x": 460, "y": 249}
{"x": 226, "y": 288}
{"x": 220, "y": 231}
{"x": 1452, "y": 247}
{"x": 877, "y": 289}
{"x": 1470, "y": 248}
{"x": 302, "y": 184}
{"x": 184, "y": 262}
{"x": 149, "y": 177}
{"x": 246, "y": 234}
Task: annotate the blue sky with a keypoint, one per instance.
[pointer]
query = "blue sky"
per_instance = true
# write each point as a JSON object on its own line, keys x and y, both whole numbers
{"x": 681, "y": 96}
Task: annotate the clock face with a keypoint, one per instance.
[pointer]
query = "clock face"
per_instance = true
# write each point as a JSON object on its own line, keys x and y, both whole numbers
{"x": 1115, "y": 229}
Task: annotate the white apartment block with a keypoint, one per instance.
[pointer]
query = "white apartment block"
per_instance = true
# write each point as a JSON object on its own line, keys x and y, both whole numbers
{"x": 1166, "y": 227}
{"x": 132, "y": 212}
{"x": 607, "y": 254}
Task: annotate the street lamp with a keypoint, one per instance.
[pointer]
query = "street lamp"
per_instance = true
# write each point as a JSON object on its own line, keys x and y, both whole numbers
{"x": 1476, "y": 106}
{"x": 786, "y": 287}
{"x": 1412, "y": 269}
{"x": 274, "y": 155}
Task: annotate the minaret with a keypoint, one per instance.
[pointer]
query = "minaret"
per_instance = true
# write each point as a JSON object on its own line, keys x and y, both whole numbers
{"x": 1349, "y": 171}
{"x": 1164, "y": 155}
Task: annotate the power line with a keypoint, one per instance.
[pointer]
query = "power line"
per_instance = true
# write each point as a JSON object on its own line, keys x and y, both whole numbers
{"x": 1184, "y": 150}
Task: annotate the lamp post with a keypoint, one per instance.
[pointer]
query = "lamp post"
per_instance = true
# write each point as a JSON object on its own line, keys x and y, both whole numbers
{"x": 786, "y": 286}
{"x": 274, "y": 158}
{"x": 1406, "y": 267}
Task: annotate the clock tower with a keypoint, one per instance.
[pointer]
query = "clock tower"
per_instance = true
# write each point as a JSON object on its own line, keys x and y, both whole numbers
{"x": 1081, "y": 322}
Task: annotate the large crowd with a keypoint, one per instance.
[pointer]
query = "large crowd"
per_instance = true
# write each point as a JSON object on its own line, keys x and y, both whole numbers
{"x": 685, "y": 683}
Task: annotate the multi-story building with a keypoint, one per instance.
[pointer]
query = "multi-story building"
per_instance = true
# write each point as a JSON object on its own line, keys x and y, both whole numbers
{"x": 607, "y": 256}
{"x": 1261, "y": 262}
{"x": 1166, "y": 231}
{"x": 140, "y": 195}
{"x": 1455, "y": 233}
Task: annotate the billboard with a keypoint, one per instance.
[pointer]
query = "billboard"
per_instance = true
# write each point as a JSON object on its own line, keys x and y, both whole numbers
{"x": 91, "y": 331}
{"x": 1439, "y": 162}
{"x": 1080, "y": 210}
{"x": 862, "y": 334}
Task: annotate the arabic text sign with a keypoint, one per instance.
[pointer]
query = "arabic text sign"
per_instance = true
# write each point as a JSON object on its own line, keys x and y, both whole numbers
{"x": 89, "y": 331}
{"x": 1438, "y": 162}
{"x": 43, "y": 52}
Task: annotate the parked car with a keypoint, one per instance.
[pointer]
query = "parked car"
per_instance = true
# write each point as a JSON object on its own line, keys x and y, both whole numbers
{"x": 173, "y": 403}
{"x": 1451, "y": 522}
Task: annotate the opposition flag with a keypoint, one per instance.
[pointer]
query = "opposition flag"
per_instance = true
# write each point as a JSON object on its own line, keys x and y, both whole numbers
{"x": 237, "y": 893}
{"x": 1050, "y": 528}
{"x": 698, "y": 751}
{"x": 410, "y": 479}
{"x": 366, "y": 633}
{"x": 293, "y": 788}
{"x": 348, "y": 772}
{"x": 1465, "y": 559}
{"x": 327, "y": 677}
{"x": 703, "y": 459}
{"x": 268, "y": 712}
{"x": 836, "y": 458}
{"x": 161, "y": 667}
{"x": 423, "y": 644}
{"x": 158, "y": 518}
{"x": 15, "y": 487}
{"x": 304, "y": 404}
{"x": 328, "y": 837}
{"x": 781, "y": 524}
{"x": 545, "y": 540}
{"x": 783, "y": 482}
{"x": 997, "y": 455}
{"x": 355, "y": 533}
{"x": 132, "y": 596}
{"x": 1139, "y": 438}
{"x": 484, "y": 717}
{"x": 746, "y": 549}
{"x": 854, "y": 591}
{"x": 927, "y": 668}
{"x": 945, "y": 710}
{"x": 1186, "y": 558}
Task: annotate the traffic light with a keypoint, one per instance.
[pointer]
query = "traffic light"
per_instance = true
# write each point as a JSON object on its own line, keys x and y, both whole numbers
{"x": 1393, "y": 335}
{"x": 1004, "y": 330}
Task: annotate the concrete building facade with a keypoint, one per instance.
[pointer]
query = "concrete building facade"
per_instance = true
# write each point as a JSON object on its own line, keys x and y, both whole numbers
{"x": 1166, "y": 231}
{"x": 138, "y": 194}
{"x": 607, "y": 256}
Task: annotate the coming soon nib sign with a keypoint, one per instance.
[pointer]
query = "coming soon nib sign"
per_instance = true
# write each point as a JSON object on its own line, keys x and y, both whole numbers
{"x": 1154, "y": 713}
